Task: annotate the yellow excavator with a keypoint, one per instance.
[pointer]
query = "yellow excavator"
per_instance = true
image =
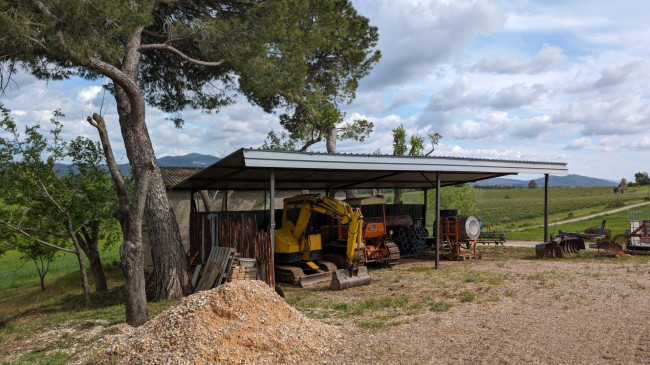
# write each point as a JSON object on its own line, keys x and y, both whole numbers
{"x": 298, "y": 250}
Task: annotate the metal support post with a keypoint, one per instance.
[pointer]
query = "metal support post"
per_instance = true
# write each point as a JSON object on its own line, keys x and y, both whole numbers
{"x": 545, "y": 207}
{"x": 272, "y": 223}
{"x": 436, "y": 229}
{"x": 426, "y": 208}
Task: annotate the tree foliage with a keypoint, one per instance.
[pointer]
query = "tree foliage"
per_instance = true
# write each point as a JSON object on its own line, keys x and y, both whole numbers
{"x": 70, "y": 211}
{"x": 641, "y": 178}
{"x": 456, "y": 197}
{"x": 417, "y": 143}
{"x": 416, "y": 149}
{"x": 532, "y": 184}
{"x": 329, "y": 55}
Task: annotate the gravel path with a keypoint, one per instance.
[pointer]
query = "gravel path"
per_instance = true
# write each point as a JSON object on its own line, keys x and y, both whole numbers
{"x": 553, "y": 312}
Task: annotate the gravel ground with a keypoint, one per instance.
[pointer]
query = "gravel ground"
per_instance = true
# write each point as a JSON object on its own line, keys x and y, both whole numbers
{"x": 571, "y": 311}
{"x": 555, "y": 312}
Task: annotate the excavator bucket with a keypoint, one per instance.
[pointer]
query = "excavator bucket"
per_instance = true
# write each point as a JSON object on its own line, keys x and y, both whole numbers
{"x": 345, "y": 278}
{"x": 611, "y": 248}
{"x": 320, "y": 280}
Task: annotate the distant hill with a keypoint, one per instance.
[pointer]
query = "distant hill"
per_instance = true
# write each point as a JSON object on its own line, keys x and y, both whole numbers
{"x": 553, "y": 181}
{"x": 191, "y": 160}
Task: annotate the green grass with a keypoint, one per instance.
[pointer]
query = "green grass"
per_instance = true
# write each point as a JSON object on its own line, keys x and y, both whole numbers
{"x": 17, "y": 273}
{"x": 467, "y": 297}
{"x": 617, "y": 223}
{"x": 439, "y": 305}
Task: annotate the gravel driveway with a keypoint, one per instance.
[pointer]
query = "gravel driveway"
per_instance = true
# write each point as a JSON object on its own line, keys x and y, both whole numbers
{"x": 544, "y": 311}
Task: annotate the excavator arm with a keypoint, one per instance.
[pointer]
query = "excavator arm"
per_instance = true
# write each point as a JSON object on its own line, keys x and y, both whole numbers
{"x": 337, "y": 209}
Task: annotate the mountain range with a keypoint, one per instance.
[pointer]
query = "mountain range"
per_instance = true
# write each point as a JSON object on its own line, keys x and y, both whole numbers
{"x": 200, "y": 160}
{"x": 553, "y": 181}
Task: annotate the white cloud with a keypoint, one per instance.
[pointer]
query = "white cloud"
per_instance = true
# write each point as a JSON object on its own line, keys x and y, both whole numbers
{"x": 494, "y": 125}
{"x": 88, "y": 94}
{"x": 516, "y": 96}
{"x": 404, "y": 98}
{"x": 416, "y": 36}
{"x": 545, "y": 60}
{"x": 529, "y": 79}
{"x": 621, "y": 115}
{"x": 578, "y": 144}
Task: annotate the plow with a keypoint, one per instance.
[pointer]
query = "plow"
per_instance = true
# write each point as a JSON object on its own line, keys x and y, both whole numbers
{"x": 559, "y": 246}
{"x": 572, "y": 242}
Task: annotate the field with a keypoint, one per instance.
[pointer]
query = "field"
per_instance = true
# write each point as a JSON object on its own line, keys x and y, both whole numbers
{"x": 505, "y": 308}
{"x": 520, "y": 212}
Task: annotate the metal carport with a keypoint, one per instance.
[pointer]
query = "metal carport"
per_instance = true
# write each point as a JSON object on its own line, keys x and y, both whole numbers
{"x": 253, "y": 169}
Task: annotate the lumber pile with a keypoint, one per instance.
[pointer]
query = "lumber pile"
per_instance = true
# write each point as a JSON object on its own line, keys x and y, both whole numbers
{"x": 243, "y": 273}
{"x": 240, "y": 271}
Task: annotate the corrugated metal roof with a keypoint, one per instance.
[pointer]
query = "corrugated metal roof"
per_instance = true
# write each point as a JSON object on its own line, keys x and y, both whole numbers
{"x": 172, "y": 175}
{"x": 248, "y": 169}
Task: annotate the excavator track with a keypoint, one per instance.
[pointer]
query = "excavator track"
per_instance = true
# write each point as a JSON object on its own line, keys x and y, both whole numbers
{"x": 288, "y": 274}
{"x": 326, "y": 265}
{"x": 393, "y": 253}
{"x": 294, "y": 275}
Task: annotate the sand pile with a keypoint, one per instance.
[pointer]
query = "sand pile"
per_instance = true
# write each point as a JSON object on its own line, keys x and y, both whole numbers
{"x": 238, "y": 322}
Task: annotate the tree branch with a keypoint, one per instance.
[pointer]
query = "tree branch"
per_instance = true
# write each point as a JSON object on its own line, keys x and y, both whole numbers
{"x": 319, "y": 66}
{"x": 167, "y": 47}
{"x": 98, "y": 122}
{"x": 49, "y": 233}
{"x": 313, "y": 141}
{"x": 24, "y": 233}
{"x": 154, "y": 34}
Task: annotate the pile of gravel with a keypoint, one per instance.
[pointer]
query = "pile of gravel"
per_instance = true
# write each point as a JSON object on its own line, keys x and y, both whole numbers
{"x": 238, "y": 322}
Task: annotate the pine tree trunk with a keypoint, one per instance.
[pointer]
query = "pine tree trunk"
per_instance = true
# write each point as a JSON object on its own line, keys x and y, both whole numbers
{"x": 130, "y": 217}
{"x": 208, "y": 202}
{"x": 170, "y": 263}
{"x": 330, "y": 143}
{"x": 134, "y": 283}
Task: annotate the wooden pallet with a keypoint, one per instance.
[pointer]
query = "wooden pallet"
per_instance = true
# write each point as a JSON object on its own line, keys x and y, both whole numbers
{"x": 217, "y": 269}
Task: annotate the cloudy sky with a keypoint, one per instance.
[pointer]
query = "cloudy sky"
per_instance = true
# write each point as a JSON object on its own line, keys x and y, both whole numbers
{"x": 554, "y": 80}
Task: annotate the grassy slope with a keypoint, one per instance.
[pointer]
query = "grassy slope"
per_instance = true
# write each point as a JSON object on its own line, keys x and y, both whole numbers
{"x": 27, "y": 311}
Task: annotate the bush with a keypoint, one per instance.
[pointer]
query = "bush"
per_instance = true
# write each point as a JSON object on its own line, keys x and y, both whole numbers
{"x": 616, "y": 204}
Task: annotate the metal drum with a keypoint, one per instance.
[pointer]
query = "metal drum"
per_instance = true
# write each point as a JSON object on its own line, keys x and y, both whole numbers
{"x": 469, "y": 227}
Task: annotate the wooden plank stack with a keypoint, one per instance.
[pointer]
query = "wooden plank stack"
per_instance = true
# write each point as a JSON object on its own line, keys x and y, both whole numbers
{"x": 243, "y": 273}
{"x": 217, "y": 269}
